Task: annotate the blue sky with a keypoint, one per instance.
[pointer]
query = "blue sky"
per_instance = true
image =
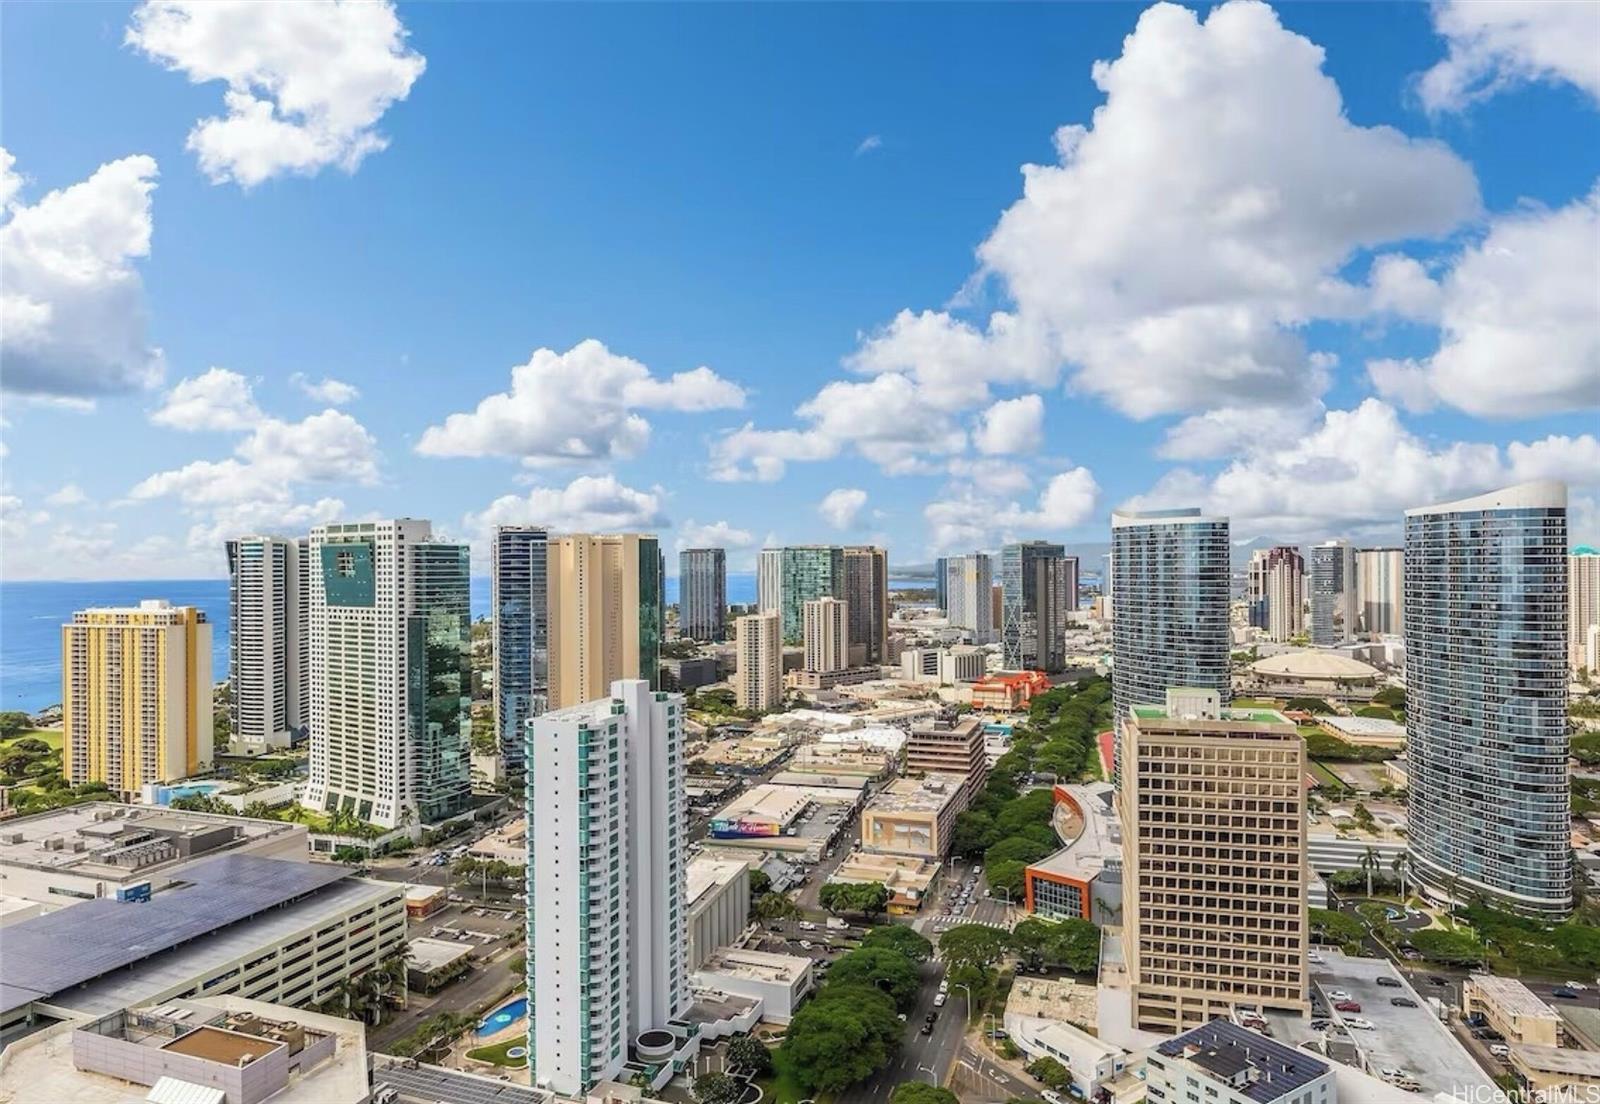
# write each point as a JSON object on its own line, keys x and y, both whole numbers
{"x": 1304, "y": 289}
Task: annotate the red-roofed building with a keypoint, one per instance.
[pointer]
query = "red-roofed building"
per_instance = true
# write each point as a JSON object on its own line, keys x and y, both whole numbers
{"x": 1008, "y": 691}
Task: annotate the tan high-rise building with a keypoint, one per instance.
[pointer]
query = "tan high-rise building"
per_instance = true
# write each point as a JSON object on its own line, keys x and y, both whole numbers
{"x": 1583, "y": 610}
{"x": 1380, "y": 591}
{"x": 758, "y": 644}
{"x": 605, "y": 613}
{"x": 1277, "y": 591}
{"x": 950, "y": 748}
{"x": 827, "y": 634}
{"x": 136, "y": 695}
{"x": 1214, "y": 861}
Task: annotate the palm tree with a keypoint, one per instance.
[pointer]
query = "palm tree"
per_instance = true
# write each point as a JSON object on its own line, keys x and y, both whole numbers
{"x": 1398, "y": 865}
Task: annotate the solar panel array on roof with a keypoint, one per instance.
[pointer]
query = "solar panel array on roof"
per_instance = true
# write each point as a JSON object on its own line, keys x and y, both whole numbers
{"x": 1282, "y": 1070}
{"x": 54, "y": 952}
{"x": 434, "y": 1084}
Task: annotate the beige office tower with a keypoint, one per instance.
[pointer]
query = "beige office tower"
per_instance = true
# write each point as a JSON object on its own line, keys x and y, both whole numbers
{"x": 136, "y": 695}
{"x": 827, "y": 634}
{"x": 1583, "y": 609}
{"x": 605, "y": 613}
{"x": 866, "y": 588}
{"x": 1214, "y": 858}
{"x": 758, "y": 644}
{"x": 1380, "y": 591}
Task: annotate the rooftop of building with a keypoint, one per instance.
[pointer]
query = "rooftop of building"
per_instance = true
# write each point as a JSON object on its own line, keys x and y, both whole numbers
{"x": 1259, "y": 1068}
{"x": 1563, "y": 1060}
{"x": 853, "y": 781}
{"x": 427, "y": 955}
{"x": 1313, "y": 664}
{"x": 1086, "y": 823}
{"x": 757, "y": 965}
{"x": 1512, "y": 997}
{"x": 1161, "y": 714}
{"x": 928, "y": 794}
{"x": 707, "y": 873}
{"x": 1368, "y": 727}
{"x": 107, "y": 840}
{"x": 944, "y": 728}
{"x": 909, "y": 875}
{"x": 417, "y": 1083}
{"x": 1054, "y": 999}
{"x": 112, "y": 954}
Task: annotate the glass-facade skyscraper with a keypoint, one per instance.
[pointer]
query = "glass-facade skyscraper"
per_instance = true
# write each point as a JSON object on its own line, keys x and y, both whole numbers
{"x": 809, "y": 572}
{"x": 1038, "y": 586}
{"x": 518, "y": 566}
{"x": 439, "y": 650}
{"x": 1486, "y": 698}
{"x": 1333, "y": 593}
{"x": 703, "y": 594}
{"x": 1170, "y": 575}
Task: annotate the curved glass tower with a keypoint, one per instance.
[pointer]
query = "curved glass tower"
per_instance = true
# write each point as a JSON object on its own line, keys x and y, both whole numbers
{"x": 1169, "y": 607}
{"x": 1486, "y": 697}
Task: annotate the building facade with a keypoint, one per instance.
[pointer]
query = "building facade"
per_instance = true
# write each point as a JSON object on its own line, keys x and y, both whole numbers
{"x": 1277, "y": 591}
{"x": 941, "y": 586}
{"x": 827, "y": 635}
{"x": 1039, "y": 584}
{"x": 1380, "y": 591}
{"x": 769, "y": 581}
{"x": 1583, "y": 606}
{"x": 517, "y": 572}
{"x": 136, "y": 695}
{"x": 758, "y": 642}
{"x": 1333, "y": 593}
{"x": 391, "y": 644}
{"x": 969, "y": 582}
{"x": 1486, "y": 698}
{"x": 268, "y": 646}
{"x": 866, "y": 588}
{"x": 605, "y": 608}
{"x": 607, "y": 907}
{"x": 809, "y": 572}
{"x": 703, "y": 594}
{"x": 1170, "y": 578}
{"x": 953, "y": 748}
{"x": 1214, "y": 874}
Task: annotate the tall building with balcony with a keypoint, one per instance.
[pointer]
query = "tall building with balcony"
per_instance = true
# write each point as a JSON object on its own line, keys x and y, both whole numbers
{"x": 517, "y": 571}
{"x": 827, "y": 635}
{"x": 954, "y": 748}
{"x": 1583, "y": 606}
{"x": 135, "y": 695}
{"x": 1039, "y": 588}
{"x": 703, "y": 594}
{"x": 809, "y": 572}
{"x": 606, "y": 923}
{"x": 866, "y": 588}
{"x": 268, "y": 646}
{"x": 1214, "y": 861}
{"x": 1486, "y": 698}
{"x": 969, "y": 583}
{"x": 1380, "y": 591}
{"x": 605, "y": 608}
{"x": 1333, "y": 593}
{"x": 769, "y": 580}
{"x": 1277, "y": 591}
{"x": 758, "y": 646}
{"x": 1170, "y": 589}
{"x": 391, "y": 647}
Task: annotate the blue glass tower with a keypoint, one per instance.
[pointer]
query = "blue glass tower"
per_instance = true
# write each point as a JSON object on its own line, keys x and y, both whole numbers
{"x": 521, "y": 642}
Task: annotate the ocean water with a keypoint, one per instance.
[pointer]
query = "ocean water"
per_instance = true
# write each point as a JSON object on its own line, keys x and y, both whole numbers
{"x": 31, "y": 616}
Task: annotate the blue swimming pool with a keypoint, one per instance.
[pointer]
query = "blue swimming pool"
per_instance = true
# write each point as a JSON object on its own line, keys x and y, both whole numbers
{"x": 165, "y": 794}
{"x": 504, "y": 1016}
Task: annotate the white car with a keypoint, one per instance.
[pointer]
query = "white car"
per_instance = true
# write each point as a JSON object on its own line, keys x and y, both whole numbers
{"x": 1360, "y": 1024}
{"x": 1576, "y": 985}
{"x": 1337, "y": 995}
{"x": 807, "y": 925}
{"x": 805, "y": 944}
{"x": 1052, "y": 1097}
{"x": 938, "y": 1001}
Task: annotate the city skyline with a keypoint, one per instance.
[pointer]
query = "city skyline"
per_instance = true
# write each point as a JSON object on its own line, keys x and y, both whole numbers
{"x": 1026, "y": 399}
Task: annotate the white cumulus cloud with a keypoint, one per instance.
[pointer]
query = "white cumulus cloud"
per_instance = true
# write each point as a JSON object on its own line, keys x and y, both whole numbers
{"x": 216, "y": 399}
{"x": 331, "y": 391}
{"x": 964, "y": 520}
{"x": 841, "y": 506}
{"x": 306, "y": 82}
{"x": 1498, "y": 44}
{"x": 580, "y": 405}
{"x": 1011, "y": 426}
{"x": 72, "y": 304}
{"x": 589, "y": 504}
{"x": 717, "y": 534}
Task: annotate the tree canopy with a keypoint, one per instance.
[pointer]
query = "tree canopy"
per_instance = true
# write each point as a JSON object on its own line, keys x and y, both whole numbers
{"x": 918, "y": 1092}
{"x": 882, "y": 968}
{"x": 868, "y": 898}
{"x": 973, "y": 944}
{"x": 844, "y": 1035}
{"x": 899, "y": 937}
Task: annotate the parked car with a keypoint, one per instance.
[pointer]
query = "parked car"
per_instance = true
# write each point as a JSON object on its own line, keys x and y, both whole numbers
{"x": 1321, "y": 1025}
{"x": 1359, "y": 1024}
{"x": 807, "y": 925}
{"x": 1338, "y": 995}
{"x": 1389, "y": 982}
{"x": 1402, "y": 1002}
{"x": 1052, "y": 1097}
{"x": 1500, "y": 1050}
{"x": 1565, "y": 992}
{"x": 938, "y": 1001}
{"x": 1348, "y": 1006}
{"x": 1435, "y": 979}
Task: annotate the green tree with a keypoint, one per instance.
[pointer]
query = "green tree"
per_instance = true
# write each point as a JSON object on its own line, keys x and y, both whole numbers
{"x": 1023, "y": 849}
{"x": 973, "y": 833}
{"x": 844, "y": 1035}
{"x": 974, "y": 945}
{"x": 1007, "y": 878}
{"x": 883, "y": 969}
{"x": 898, "y": 937}
{"x": 1449, "y": 948}
{"x": 13, "y": 722}
{"x": 918, "y": 1092}
{"x": 774, "y": 906}
{"x": 759, "y": 883}
{"x": 717, "y": 1088}
{"x": 750, "y": 1053}
{"x": 1049, "y": 1072}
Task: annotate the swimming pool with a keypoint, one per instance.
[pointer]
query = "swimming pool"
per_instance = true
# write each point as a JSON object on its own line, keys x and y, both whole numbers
{"x": 504, "y": 1016}
{"x": 166, "y": 794}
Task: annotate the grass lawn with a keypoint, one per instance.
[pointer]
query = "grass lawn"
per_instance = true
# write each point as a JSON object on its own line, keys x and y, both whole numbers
{"x": 1325, "y": 776}
{"x": 782, "y": 1088}
{"x": 497, "y": 1054}
{"x": 1256, "y": 703}
{"x": 51, "y": 736}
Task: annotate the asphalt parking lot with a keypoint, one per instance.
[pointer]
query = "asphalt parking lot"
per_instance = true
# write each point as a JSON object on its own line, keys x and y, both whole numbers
{"x": 1409, "y": 1039}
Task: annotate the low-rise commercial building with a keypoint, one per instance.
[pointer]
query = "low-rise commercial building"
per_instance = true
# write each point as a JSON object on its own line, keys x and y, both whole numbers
{"x": 103, "y": 849}
{"x": 718, "y": 892}
{"x": 1055, "y": 1019}
{"x": 422, "y": 901}
{"x": 914, "y": 816}
{"x": 1083, "y": 880}
{"x": 1008, "y": 692}
{"x": 1557, "y": 1073}
{"x": 1512, "y": 1009}
{"x": 944, "y": 666}
{"x": 1365, "y": 731}
{"x": 268, "y": 929}
{"x": 434, "y": 963}
{"x": 807, "y": 679}
{"x": 908, "y": 878}
{"x": 1222, "y": 1063}
{"x": 841, "y": 759}
{"x": 779, "y": 981}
